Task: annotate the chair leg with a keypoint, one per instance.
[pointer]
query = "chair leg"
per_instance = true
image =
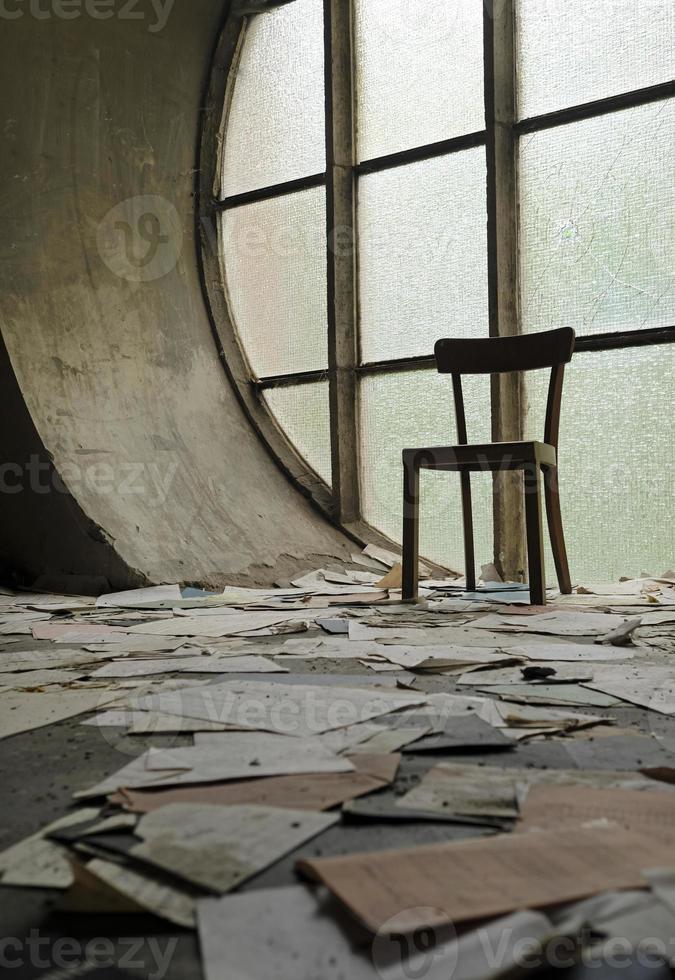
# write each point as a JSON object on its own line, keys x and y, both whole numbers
{"x": 467, "y": 521}
{"x": 411, "y": 493}
{"x": 535, "y": 537}
{"x": 555, "y": 529}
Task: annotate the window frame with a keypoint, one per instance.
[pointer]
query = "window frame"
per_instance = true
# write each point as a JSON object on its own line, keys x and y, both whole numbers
{"x": 341, "y": 502}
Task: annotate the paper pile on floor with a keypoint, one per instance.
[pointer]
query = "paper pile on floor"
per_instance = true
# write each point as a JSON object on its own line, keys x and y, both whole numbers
{"x": 495, "y": 737}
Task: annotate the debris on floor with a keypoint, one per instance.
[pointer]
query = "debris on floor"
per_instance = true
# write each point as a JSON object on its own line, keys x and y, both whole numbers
{"x": 515, "y": 764}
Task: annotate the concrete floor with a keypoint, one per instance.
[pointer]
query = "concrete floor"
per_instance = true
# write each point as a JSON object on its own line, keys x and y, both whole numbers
{"x": 42, "y": 769}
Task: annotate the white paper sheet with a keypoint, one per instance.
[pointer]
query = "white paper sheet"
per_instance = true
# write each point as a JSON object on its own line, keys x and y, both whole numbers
{"x": 199, "y": 665}
{"x": 219, "y": 847}
{"x": 168, "y": 901}
{"x": 139, "y": 598}
{"x": 221, "y": 756}
{"x": 23, "y": 711}
{"x": 40, "y": 863}
{"x": 289, "y": 709}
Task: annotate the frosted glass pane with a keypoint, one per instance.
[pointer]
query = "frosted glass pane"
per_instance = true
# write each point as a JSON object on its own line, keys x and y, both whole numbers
{"x": 275, "y": 129}
{"x": 303, "y": 413}
{"x": 423, "y": 255}
{"x": 419, "y": 72}
{"x": 574, "y": 51}
{"x": 617, "y": 461}
{"x": 400, "y": 411}
{"x": 274, "y": 257}
{"x": 598, "y": 223}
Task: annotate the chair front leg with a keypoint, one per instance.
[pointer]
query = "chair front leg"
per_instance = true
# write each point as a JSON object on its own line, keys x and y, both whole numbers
{"x": 555, "y": 529}
{"x": 535, "y": 537}
{"x": 411, "y": 491}
{"x": 467, "y": 523}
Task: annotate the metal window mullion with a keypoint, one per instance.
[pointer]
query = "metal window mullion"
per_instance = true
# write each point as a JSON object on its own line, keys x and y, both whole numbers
{"x": 341, "y": 259}
{"x": 599, "y": 107}
{"x": 502, "y": 241}
{"x": 269, "y": 192}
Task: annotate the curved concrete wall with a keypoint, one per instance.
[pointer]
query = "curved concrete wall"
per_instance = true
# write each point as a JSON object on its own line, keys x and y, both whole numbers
{"x": 120, "y": 377}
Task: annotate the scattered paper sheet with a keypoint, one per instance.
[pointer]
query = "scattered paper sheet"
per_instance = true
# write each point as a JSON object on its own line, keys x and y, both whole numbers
{"x": 552, "y": 807}
{"x": 495, "y": 792}
{"x": 198, "y": 665}
{"x": 140, "y": 598}
{"x": 423, "y": 658}
{"x": 81, "y": 633}
{"x": 91, "y": 895}
{"x": 650, "y": 687}
{"x": 470, "y": 732}
{"x": 564, "y": 674}
{"x": 168, "y": 901}
{"x": 473, "y": 879}
{"x": 393, "y": 579}
{"x": 533, "y": 716}
{"x": 387, "y": 558}
{"x": 556, "y": 694}
{"x": 301, "y": 928}
{"x": 220, "y": 847}
{"x": 229, "y": 624}
{"x": 662, "y": 881}
{"x": 138, "y": 644}
{"x": 327, "y": 649}
{"x": 30, "y": 679}
{"x": 581, "y": 652}
{"x": 23, "y": 711}
{"x": 639, "y": 920}
{"x": 50, "y": 659}
{"x": 291, "y": 709}
{"x": 315, "y": 791}
{"x": 221, "y": 756}
{"x": 555, "y": 623}
{"x": 37, "y": 862}
{"x": 391, "y": 739}
{"x": 344, "y": 739}
{"x": 150, "y": 723}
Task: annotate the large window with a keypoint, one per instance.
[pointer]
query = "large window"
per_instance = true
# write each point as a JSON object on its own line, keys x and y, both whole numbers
{"x": 395, "y": 171}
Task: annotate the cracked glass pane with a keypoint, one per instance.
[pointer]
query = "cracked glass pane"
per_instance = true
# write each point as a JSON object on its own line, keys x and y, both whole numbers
{"x": 617, "y": 461}
{"x": 422, "y": 255}
{"x": 274, "y": 258}
{"x": 574, "y": 51}
{"x": 275, "y": 129}
{"x": 597, "y": 247}
{"x": 419, "y": 72}
{"x": 407, "y": 410}
{"x": 303, "y": 413}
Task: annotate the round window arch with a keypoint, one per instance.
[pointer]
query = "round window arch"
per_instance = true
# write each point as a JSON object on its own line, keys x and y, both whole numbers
{"x": 380, "y": 177}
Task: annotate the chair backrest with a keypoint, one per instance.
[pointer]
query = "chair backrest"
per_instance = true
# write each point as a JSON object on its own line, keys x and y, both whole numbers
{"x": 498, "y": 355}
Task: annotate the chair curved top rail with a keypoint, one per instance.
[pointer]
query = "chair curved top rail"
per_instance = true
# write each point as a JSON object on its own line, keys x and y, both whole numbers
{"x": 496, "y": 355}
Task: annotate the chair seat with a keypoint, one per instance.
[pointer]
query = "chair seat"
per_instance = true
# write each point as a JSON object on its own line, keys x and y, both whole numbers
{"x": 482, "y": 456}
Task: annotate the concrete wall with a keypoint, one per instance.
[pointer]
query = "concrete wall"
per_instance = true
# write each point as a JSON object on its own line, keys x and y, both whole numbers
{"x": 117, "y": 373}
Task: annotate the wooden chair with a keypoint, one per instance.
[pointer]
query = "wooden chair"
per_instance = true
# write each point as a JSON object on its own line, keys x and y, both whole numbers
{"x": 552, "y": 348}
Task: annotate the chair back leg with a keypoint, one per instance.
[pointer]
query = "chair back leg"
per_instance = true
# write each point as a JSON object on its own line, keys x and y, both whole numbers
{"x": 555, "y": 529}
{"x": 467, "y": 524}
{"x": 534, "y": 529}
{"x": 411, "y": 494}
